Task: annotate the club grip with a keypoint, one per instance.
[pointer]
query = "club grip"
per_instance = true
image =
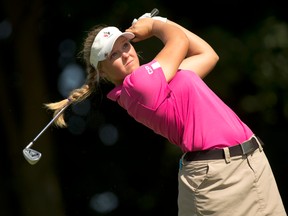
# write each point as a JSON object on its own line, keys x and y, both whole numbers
{"x": 154, "y": 12}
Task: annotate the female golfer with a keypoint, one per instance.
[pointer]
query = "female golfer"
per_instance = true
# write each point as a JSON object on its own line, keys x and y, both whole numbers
{"x": 224, "y": 170}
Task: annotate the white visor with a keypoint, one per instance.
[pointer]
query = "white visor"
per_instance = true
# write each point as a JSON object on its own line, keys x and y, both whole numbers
{"x": 104, "y": 42}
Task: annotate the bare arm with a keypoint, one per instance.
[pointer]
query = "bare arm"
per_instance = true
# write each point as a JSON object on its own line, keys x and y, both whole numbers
{"x": 174, "y": 39}
{"x": 201, "y": 57}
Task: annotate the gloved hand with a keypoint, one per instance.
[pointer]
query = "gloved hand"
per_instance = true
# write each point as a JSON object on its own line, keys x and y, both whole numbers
{"x": 148, "y": 15}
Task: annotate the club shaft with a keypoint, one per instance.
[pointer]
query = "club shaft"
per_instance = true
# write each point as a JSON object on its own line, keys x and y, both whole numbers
{"x": 154, "y": 12}
{"x": 48, "y": 125}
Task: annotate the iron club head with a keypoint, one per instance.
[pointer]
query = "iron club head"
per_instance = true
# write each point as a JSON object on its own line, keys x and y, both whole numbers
{"x": 32, "y": 156}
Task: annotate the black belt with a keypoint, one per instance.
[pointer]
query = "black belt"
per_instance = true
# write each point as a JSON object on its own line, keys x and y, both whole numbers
{"x": 241, "y": 149}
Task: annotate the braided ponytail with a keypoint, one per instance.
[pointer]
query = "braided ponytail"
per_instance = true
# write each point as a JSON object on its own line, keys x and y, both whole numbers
{"x": 79, "y": 94}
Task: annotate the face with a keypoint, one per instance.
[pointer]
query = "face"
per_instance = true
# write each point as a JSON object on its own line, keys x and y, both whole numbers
{"x": 122, "y": 61}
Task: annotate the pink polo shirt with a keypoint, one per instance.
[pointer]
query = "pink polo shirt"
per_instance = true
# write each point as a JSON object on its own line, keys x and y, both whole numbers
{"x": 185, "y": 110}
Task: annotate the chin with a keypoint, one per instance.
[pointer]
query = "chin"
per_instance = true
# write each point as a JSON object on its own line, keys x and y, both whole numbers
{"x": 132, "y": 68}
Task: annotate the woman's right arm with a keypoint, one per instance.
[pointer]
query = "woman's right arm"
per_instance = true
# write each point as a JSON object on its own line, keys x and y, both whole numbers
{"x": 201, "y": 57}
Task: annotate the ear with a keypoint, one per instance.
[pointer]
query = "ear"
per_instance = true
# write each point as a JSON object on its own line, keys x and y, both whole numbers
{"x": 102, "y": 74}
{"x": 100, "y": 70}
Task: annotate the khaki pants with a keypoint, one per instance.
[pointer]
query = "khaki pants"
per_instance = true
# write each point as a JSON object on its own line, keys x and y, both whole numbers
{"x": 237, "y": 186}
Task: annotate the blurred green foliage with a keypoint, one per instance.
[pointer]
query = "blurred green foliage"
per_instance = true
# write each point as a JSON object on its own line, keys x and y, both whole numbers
{"x": 141, "y": 169}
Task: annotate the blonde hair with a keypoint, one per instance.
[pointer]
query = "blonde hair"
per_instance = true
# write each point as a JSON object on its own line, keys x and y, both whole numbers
{"x": 93, "y": 78}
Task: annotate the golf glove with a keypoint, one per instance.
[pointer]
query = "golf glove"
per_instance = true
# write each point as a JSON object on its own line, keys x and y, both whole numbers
{"x": 148, "y": 15}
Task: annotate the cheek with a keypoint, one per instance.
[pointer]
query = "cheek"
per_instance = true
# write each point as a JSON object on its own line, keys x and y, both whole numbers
{"x": 109, "y": 67}
{"x": 118, "y": 66}
{"x": 115, "y": 70}
{"x": 133, "y": 52}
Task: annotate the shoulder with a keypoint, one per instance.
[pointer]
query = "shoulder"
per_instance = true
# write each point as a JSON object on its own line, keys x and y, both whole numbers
{"x": 146, "y": 74}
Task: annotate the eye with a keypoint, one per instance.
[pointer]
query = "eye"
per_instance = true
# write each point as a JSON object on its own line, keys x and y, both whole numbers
{"x": 126, "y": 46}
{"x": 114, "y": 55}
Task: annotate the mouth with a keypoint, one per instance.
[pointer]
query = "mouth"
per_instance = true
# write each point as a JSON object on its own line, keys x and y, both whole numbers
{"x": 128, "y": 63}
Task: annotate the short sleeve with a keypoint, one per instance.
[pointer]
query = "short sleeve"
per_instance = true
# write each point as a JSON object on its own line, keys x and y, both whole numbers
{"x": 147, "y": 85}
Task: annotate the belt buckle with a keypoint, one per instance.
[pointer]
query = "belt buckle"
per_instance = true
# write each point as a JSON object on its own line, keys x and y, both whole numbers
{"x": 247, "y": 146}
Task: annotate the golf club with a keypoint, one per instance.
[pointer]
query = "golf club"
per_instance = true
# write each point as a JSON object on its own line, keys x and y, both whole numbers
{"x": 31, "y": 155}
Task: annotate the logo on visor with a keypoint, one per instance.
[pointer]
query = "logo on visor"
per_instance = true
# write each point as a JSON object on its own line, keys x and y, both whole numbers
{"x": 106, "y": 34}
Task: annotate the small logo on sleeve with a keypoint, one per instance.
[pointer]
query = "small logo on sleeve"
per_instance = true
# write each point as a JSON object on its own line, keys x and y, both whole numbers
{"x": 149, "y": 69}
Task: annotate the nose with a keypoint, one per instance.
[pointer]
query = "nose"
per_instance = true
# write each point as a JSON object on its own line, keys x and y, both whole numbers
{"x": 125, "y": 54}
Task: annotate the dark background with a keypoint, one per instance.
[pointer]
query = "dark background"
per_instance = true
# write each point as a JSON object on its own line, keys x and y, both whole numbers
{"x": 136, "y": 175}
